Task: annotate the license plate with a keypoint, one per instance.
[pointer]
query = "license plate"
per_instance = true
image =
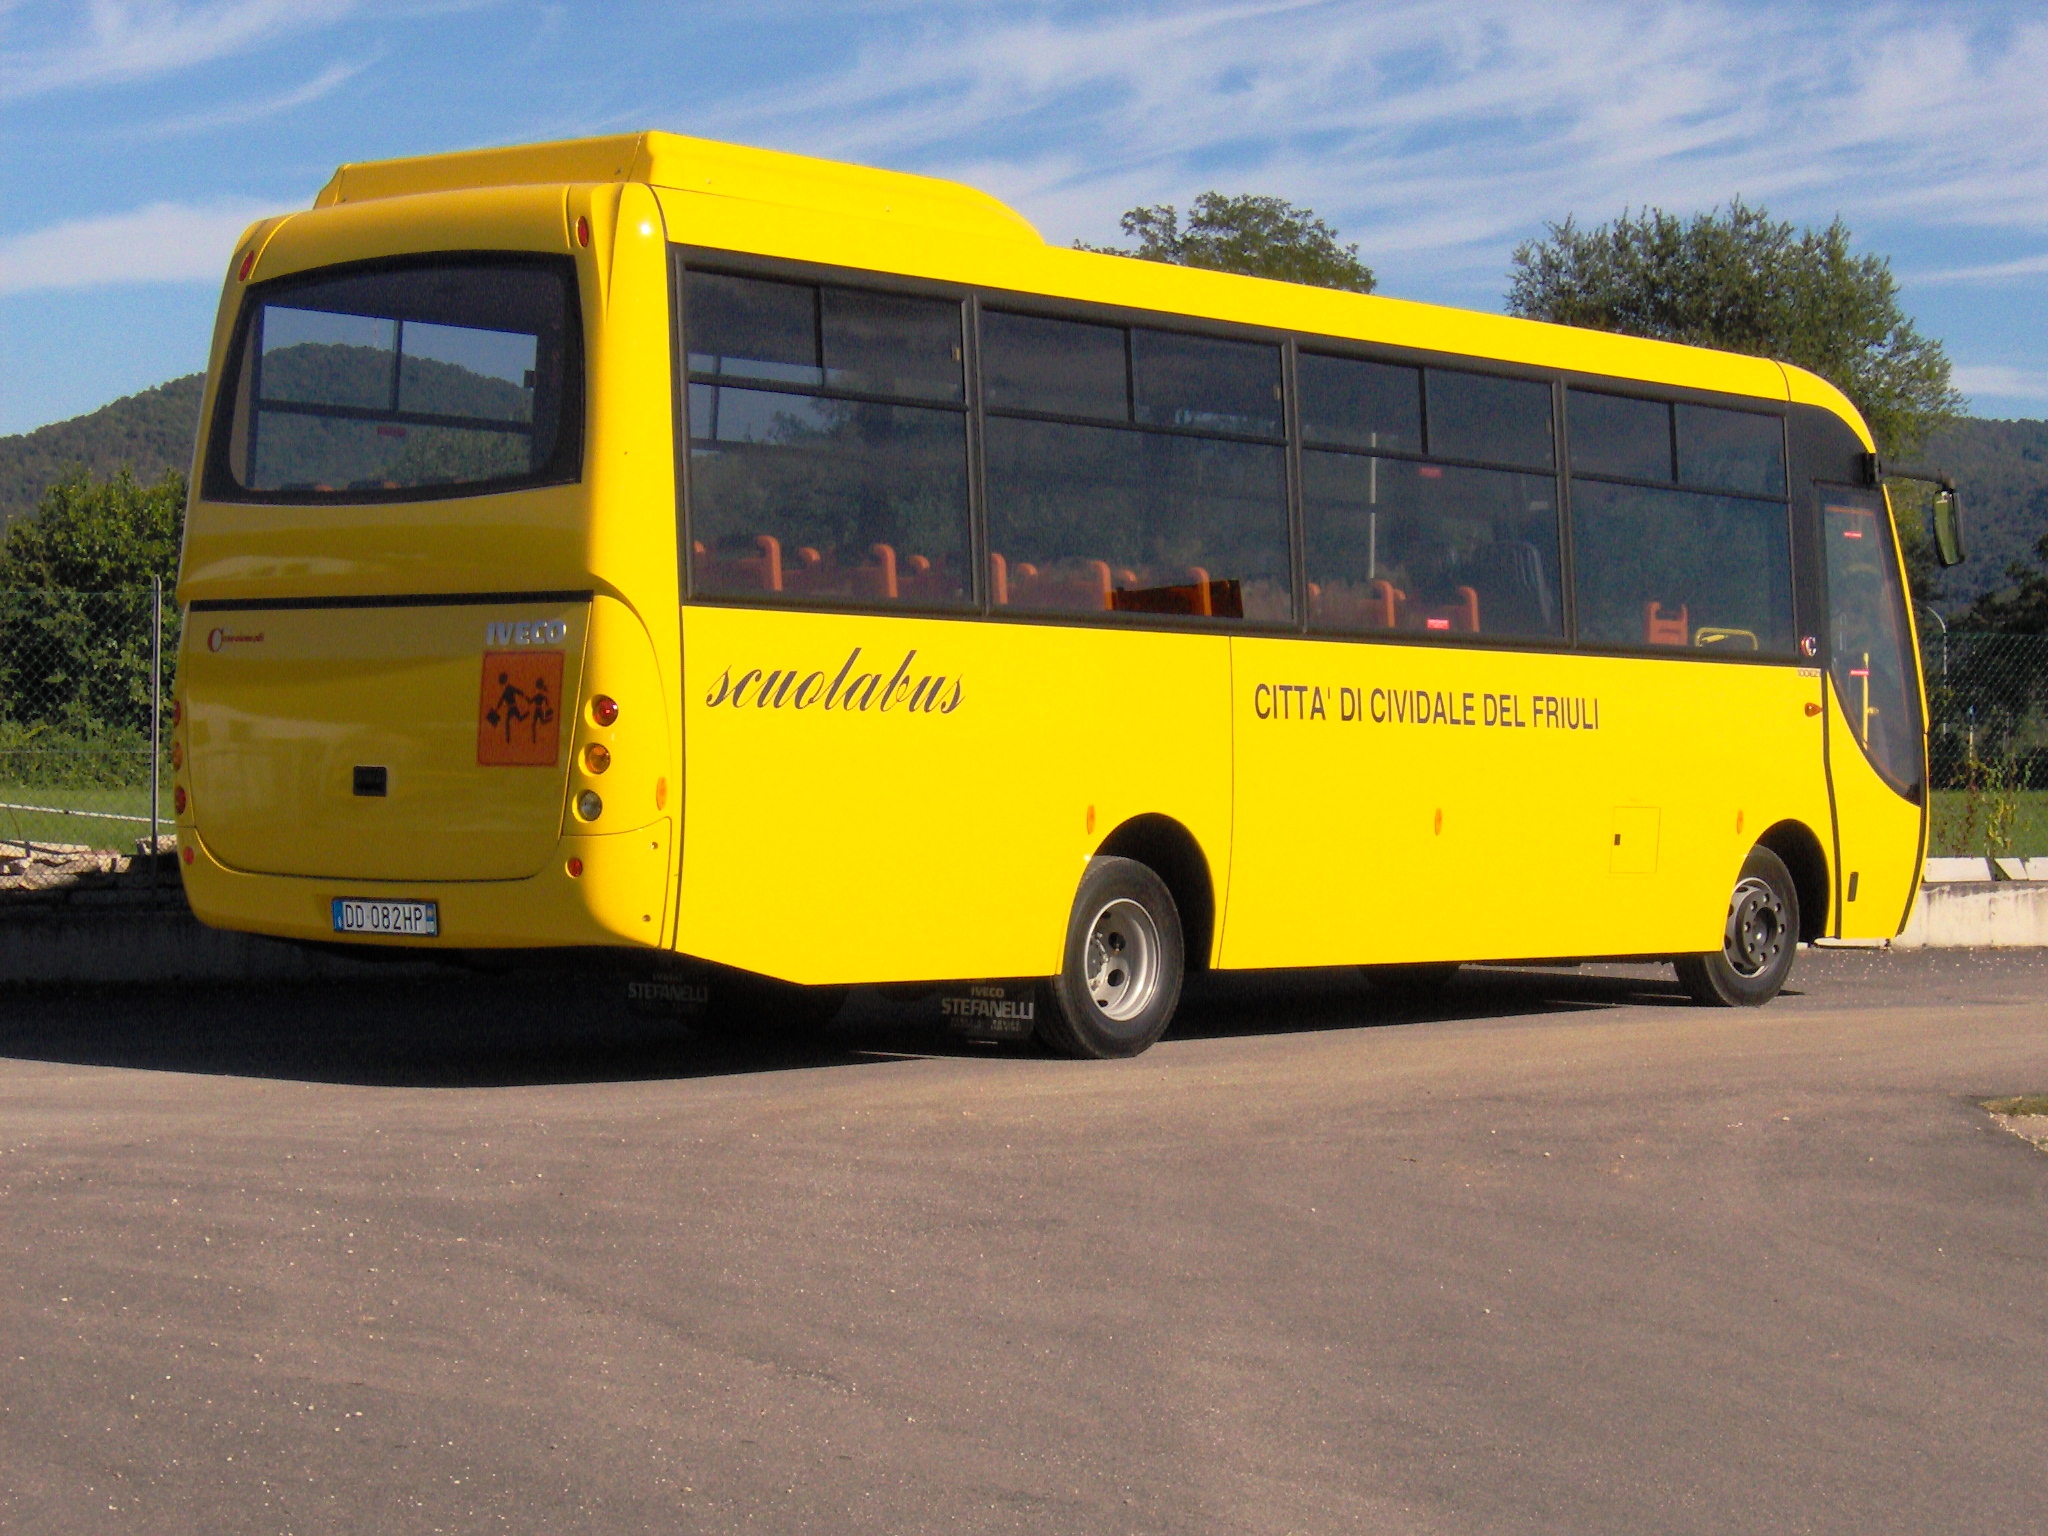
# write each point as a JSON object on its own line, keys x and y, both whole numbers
{"x": 400, "y": 919}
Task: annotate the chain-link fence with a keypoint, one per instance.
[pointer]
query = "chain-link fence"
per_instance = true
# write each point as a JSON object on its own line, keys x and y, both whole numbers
{"x": 1987, "y": 740}
{"x": 84, "y": 680}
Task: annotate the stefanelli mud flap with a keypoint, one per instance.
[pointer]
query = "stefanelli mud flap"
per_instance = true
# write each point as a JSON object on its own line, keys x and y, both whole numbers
{"x": 991, "y": 1010}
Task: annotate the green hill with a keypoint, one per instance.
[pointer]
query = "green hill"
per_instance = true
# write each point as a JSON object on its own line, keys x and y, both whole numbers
{"x": 149, "y": 432}
{"x": 2001, "y": 470}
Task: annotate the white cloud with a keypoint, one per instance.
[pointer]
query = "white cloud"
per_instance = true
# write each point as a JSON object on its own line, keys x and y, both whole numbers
{"x": 2001, "y": 381}
{"x": 1434, "y": 131}
{"x": 321, "y": 85}
{"x": 162, "y": 243}
{"x": 110, "y": 41}
{"x": 1991, "y": 272}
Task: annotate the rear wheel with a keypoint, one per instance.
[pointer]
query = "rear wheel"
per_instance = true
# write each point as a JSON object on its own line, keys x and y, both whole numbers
{"x": 1758, "y": 942}
{"x": 1121, "y": 974}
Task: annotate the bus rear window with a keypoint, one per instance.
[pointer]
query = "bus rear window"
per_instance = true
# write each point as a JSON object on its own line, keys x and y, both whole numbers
{"x": 403, "y": 381}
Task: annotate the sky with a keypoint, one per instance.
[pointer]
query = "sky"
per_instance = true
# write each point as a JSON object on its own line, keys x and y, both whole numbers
{"x": 138, "y": 137}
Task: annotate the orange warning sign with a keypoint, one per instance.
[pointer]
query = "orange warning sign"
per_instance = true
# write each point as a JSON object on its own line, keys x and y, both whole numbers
{"x": 519, "y": 715}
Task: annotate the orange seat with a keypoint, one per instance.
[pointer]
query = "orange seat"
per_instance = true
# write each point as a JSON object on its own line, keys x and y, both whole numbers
{"x": 1661, "y": 630}
{"x": 879, "y": 579}
{"x": 1384, "y": 607}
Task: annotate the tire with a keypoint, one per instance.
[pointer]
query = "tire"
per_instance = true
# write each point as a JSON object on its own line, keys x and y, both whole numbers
{"x": 1120, "y": 976}
{"x": 1759, "y": 941}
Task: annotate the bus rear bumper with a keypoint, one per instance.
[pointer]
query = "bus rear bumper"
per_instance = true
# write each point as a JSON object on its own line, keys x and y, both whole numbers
{"x": 618, "y": 896}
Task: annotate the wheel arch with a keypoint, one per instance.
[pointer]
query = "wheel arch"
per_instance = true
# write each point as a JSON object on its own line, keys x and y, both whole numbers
{"x": 1796, "y": 844}
{"x": 1171, "y": 852}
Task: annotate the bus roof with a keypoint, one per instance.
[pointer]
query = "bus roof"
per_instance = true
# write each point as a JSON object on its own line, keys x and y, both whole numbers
{"x": 768, "y": 178}
{"x": 692, "y": 165}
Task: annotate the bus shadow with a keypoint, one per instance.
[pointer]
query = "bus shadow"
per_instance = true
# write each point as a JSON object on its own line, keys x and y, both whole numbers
{"x": 1228, "y": 1004}
{"x": 467, "y": 1031}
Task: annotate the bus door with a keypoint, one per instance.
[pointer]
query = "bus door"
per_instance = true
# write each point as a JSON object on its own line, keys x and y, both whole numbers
{"x": 1876, "y": 742}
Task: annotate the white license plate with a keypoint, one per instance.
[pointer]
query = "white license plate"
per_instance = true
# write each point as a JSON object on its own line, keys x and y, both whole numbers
{"x": 400, "y": 919}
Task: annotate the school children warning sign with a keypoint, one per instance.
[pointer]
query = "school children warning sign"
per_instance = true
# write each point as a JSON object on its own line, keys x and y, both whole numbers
{"x": 519, "y": 711}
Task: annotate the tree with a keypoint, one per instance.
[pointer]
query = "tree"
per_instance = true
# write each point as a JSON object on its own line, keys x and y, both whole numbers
{"x": 2022, "y": 607}
{"x": 76, "y": 606}
{"x": 1742, "y": 282}
{"x": 97, "y": 535}
{"x": 1256, "y": 236}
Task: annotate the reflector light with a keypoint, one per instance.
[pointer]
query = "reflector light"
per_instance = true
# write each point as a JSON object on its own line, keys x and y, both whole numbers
{"x": 582, "y": 231}
{"x": 575, "y": 869}
{"x": 185, "y": 854}
{"x": 588, "y": 806}
{"x": 177, "y": 754}
{"x": 597, "y": 757}
{"x": 604, "y": 709}
{"x": 661, "y": 794}
{"x": 177, "y": 713}
{"x": 248, "y": 265}
{"x": 178, "y": 798}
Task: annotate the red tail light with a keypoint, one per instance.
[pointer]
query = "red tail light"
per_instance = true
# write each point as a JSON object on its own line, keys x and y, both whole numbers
{"x": 582, "y": 231}
{"x": 604, "y": 709}
{"x": 248, "y": 265}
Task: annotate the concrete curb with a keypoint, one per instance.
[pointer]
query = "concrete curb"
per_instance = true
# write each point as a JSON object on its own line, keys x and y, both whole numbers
{"x": 2004, "y": 915}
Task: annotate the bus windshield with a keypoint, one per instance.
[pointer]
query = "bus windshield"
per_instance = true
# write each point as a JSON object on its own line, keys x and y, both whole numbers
{"x": 1871, "y": 661}
{"x": 403, "y": 381}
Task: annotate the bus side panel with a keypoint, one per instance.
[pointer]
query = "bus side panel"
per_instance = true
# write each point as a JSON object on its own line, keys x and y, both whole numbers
{"x": 904, "y": 799}
{"x": 1402, "y": 803}
{"x": 1880, "y": 838}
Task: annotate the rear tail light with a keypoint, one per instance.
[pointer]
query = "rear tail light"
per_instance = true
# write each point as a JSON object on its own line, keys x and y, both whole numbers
{"x": 588, "y": 806}
{"x": 604, "y": 710}
{"x": 582, "y": 231}
{"x": 597, "y": 757}
{"x": 575, "y": 868}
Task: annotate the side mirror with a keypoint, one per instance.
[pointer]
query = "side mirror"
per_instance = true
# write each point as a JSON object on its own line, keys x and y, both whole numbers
{"x": 1945, "y": 527}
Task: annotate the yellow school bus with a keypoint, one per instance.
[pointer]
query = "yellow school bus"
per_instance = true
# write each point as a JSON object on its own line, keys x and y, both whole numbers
{"x": 806, "y": 571}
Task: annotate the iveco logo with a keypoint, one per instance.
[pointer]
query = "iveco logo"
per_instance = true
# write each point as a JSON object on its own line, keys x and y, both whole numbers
{"x": 527, "y": 632}
{"x": 220, "y": 639}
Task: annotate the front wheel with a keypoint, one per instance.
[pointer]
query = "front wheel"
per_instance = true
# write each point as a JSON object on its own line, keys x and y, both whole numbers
{"x": 1758, "y": 942}
{"x": 1120, "y": 978}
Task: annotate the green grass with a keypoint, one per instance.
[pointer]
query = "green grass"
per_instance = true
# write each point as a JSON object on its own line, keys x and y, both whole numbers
{"x": 42, "y": 827}
{"x": 1949, "y": 834}
{"x": 2025, "y": 1104}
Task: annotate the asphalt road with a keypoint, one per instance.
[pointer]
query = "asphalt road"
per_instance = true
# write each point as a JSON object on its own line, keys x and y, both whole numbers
{"x": 1561, "y": 1253}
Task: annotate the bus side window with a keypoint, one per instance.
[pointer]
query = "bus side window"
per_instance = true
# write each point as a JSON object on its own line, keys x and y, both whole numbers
{"x": 1493, "y": 420}
{"x": 828, "y": 444}
{"x": 1432, "y": 548}
{"x": 1644, "y": 558}
{"x": 1173, "y": 504}
{"x": 1393, "y": 542}
{"x": 1676, "y": 567}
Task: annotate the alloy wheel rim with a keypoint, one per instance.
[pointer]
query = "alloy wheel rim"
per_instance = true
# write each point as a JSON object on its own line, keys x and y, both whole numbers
{"x": 1756, "y": 927}
{"x": 1122, "y": 961}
